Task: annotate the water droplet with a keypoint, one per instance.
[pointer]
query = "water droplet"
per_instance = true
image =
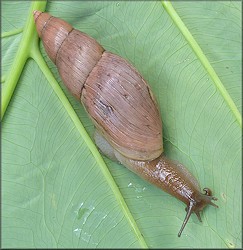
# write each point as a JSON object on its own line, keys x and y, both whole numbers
{"x": 86, "y": 237}
{"x": 77, "y": 231}
{"x": 81, "y": 212}
{"x": 230, "y": 244}
{"x": 118, "y": 4}
{"x": 84, "y": 212}
{"x": 138, "y": 188}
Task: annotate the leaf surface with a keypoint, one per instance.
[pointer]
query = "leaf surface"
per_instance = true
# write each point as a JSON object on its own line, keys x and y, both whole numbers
{"x": 58, "y": 191}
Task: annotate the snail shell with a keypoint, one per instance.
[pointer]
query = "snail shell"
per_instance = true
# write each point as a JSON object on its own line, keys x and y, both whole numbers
{"x": 114, "y": 94}
{"x": 122, "y": 107}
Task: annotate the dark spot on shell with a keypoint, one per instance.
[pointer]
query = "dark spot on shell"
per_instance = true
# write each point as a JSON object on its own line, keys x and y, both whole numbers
{"x": 99, "y": 86}
{"x": 106, "y": 109}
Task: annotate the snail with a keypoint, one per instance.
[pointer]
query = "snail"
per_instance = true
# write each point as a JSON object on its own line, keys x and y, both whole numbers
{"x": 122, "y": 107}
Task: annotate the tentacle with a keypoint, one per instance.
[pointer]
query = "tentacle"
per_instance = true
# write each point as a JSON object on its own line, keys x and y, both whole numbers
{"x": 198, "y": 216}
{"x": 207, "y": 191}
{"x": 212, "y": 204}
{"x": 188, "y": 214}
{"x": 209, "y": 197}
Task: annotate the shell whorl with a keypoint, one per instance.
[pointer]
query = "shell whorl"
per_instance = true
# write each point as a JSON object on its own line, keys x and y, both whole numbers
{"x": 74, "y": 52}
{"x": 115, "y": 95}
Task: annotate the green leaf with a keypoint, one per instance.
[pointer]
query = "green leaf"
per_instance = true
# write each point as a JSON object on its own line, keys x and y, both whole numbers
{"x": 58, "y": 191}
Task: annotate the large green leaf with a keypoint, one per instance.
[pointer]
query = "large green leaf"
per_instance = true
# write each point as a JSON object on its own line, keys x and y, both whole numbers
{"x": 57, "y": 191}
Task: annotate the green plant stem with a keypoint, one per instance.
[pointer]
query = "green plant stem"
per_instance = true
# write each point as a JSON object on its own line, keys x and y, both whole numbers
{"x": 201, "y": 56}
{"x": 12, "y": 33}
{"x": 22, "y": 55}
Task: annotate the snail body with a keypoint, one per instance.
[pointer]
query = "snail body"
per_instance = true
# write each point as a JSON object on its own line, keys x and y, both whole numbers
{"x": 122, "y": 107}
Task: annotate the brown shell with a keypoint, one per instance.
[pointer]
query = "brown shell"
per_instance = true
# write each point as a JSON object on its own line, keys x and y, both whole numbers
{"x": 115, "y": 95}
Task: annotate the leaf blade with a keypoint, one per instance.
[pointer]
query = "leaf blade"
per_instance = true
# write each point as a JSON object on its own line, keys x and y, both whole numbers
{"x": 205, "y": 62}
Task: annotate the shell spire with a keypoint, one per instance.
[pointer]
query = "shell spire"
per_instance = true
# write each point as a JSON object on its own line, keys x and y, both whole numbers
{"x": 74, "y": 52}
{"x": 53, "y": 31}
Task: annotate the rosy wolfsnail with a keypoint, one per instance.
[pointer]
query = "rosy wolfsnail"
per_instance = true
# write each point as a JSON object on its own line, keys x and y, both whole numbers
{"x": 122, "y": 107}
